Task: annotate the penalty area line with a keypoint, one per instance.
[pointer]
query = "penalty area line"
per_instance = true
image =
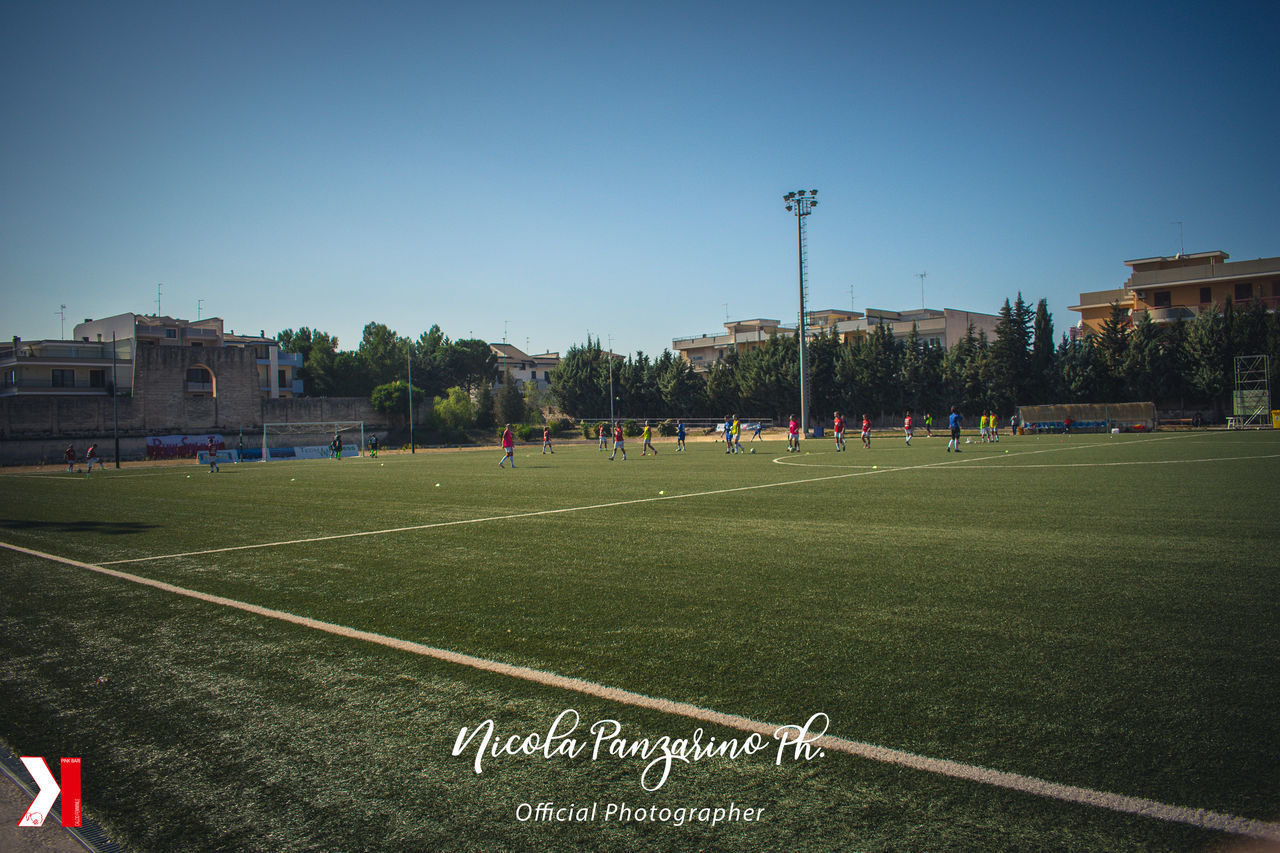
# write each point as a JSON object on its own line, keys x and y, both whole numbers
{"x": 1201, "y": 818}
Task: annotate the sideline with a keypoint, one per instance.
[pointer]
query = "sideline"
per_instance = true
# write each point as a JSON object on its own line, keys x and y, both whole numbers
{"x": 1201, "y": 818}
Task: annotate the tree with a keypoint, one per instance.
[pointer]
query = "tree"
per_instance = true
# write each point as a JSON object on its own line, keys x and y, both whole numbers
{"x": 393, "y": 399}
{"x": 318, "y": 350}
{"x": 580, "y": 383}
{"x": 484, "y": 407}
{"x": 1206, "y": 355}
{"x": 510, "y": 401}
{"x": 454, "y": 412}
{"x": 768, "y": 377}
{"x": 722, "y": 384}
{"x": 1081, "y": 370}
{"x": 1044, "y": 376}
{"x": 1010, "y": 365}
{"x": 1110, "y": 346}
{"x": 383, "y": 352}
{"x": 472, "y": 363}
{"x": 911, "y": 373}
{"x": 822, "y": 375}
{"x": 684, "y": 392}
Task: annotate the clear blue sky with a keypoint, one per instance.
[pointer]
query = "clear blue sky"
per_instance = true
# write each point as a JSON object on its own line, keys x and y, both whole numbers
{"x": 553, "y": 168}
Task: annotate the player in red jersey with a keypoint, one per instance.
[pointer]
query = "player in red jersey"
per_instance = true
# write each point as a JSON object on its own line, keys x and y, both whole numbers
{"x": 619, "y": 443}
{"x": 546, "y": 441}
{"x": 838, "y": 429}
{"x": 508, "y": 447}
{"x": 793, "y": 435}
{"x": 866, "y": 431}
{"x": 907, "y": 427}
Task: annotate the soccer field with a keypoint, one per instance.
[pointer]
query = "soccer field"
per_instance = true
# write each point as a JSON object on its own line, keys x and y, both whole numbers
{"x": 1049, "y": 643}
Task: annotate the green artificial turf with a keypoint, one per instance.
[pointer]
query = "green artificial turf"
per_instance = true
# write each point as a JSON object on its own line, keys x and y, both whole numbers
{"x": 1096, "y": 611}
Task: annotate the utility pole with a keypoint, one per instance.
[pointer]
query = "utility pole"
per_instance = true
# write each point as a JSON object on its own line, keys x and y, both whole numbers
{"x": 115, "y": 400}
{"x": 408, "y": 360}
{"x": 609, "y": 356}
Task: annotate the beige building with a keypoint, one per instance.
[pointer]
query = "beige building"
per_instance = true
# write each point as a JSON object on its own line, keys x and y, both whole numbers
{"x": 83, "y": 366}
{"x": 524, "y": 367}
{"x": 941, "y": 327}
{"x": 63, "y": 368}
{"x": 1180, "y": 287}
{"x": 277, "y": 371}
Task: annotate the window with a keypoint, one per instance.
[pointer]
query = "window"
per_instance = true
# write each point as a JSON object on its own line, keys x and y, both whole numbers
{"x": 170, "y": 333}
{"x": 64, "y": 378}
{"x": 1163, "y": 299}
{"x": 97, "y": 379}
{"x": 281, "y": 382}
{"x": 1206, "y": 295}
{"x": 1244, "y": 291}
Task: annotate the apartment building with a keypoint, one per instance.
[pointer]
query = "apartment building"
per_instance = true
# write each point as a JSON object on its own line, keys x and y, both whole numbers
{"x": 1180, "y": 287}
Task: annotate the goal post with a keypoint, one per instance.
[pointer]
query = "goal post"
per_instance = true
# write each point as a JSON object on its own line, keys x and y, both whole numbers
{"x": 309, "y": 439}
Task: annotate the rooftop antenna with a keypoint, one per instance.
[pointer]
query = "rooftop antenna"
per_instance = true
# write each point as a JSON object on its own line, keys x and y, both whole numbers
{"x": 921, "y": 275}
{"x": 504, "y": 330}
{"x": 1181, "y": 250}
{"x": 851, "y": 302}
{"x": 726, "y": 312}
{"x": 199, "y": 305}
{"x": 158, "y": 286}
{"x": 62, "y": 312}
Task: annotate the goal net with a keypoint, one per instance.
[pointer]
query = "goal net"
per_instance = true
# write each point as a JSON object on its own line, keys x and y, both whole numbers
{"x": 312, "y": 440}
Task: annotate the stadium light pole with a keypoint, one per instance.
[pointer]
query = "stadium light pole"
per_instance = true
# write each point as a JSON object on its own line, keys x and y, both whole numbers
{"x": 801, "y": 203}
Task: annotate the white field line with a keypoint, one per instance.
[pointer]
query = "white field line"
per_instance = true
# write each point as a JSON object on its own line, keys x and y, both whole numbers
{"x": 561, "y": 510}
{"x": 968, "y": 772}
{"x": 1055, "y": 465}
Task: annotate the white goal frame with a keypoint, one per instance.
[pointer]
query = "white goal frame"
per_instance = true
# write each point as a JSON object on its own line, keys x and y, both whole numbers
{"x": 311, "y": 428}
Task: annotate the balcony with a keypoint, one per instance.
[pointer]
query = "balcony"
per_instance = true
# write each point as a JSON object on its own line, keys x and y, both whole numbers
{"x": 28, "y": 385}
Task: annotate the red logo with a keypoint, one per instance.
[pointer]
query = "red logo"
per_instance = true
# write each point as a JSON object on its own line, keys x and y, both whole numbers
{"x": 49, "y": 790}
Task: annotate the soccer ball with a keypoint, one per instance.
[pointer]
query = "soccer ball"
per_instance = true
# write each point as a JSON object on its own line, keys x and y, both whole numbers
{"x": 753, "y": 450}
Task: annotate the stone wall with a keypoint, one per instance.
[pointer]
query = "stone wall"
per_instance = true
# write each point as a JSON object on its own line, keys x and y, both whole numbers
{"x": 34, "y": 427}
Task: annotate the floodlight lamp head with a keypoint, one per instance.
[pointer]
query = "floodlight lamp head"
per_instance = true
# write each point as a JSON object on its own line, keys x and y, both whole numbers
{"x": 813, "y": 192}
{"x": 788, "y": 208}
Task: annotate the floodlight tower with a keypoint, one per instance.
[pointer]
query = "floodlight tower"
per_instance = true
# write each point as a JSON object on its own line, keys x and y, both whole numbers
{"x": 801, "y": 204}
